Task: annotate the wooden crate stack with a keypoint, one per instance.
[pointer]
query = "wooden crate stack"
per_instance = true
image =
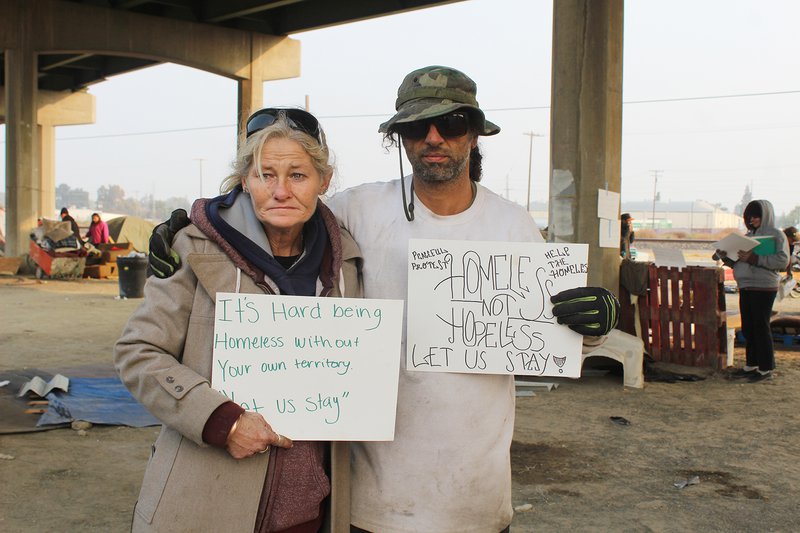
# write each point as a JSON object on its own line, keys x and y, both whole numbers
{"x": 108, "y": 265}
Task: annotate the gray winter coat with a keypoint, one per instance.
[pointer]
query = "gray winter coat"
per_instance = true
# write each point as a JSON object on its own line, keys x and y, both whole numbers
{"x": 766, "y": 274}
{"x": 164, "y": 357}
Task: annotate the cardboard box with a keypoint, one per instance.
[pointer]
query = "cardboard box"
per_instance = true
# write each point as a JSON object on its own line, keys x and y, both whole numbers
{"x": 112, "y": 251}
{"x": 10, "y": 265}
{"x": 105, "y": 270}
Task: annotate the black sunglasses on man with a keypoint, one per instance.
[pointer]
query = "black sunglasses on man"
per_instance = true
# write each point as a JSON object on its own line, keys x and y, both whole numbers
{"x": 451, "y": 125}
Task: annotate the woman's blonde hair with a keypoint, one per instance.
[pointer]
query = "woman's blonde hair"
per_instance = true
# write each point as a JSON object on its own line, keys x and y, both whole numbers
{"x": 250, "y": 151}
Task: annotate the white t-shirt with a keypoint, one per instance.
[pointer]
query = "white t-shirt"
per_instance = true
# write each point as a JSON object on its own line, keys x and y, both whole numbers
{"x": 448, "y": 468}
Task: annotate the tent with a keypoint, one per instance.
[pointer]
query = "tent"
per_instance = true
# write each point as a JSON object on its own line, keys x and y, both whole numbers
{"x": 134, "y": 230}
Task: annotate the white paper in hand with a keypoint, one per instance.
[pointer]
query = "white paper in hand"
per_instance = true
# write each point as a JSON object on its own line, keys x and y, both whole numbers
{"x": 733, "y": 242}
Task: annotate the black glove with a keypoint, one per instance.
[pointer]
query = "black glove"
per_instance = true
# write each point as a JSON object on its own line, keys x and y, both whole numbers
{"x": 587, "y": 310}
{"x": 163, "y": 260}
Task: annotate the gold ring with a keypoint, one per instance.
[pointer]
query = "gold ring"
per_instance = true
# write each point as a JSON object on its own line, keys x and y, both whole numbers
{"x": 265, "y": 450}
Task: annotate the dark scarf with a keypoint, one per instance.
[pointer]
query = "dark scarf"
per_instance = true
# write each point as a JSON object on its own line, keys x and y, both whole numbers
{"x": 301, "y": 278}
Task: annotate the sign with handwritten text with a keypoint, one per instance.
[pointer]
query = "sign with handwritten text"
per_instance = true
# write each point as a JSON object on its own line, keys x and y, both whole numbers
{"x": 484, "y": 307}
{"x": 314, "y": 368}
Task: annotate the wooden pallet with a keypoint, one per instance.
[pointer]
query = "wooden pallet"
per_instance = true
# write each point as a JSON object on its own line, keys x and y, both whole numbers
{"x": 682, "y": 316}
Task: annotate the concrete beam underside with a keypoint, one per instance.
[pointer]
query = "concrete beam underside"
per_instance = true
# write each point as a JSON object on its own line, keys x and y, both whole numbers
{"x": 32, "y": 27}
{"x": 586, "y": 126}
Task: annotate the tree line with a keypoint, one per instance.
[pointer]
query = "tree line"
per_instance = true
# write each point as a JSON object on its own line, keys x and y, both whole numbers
{"x": 113, "y": 199}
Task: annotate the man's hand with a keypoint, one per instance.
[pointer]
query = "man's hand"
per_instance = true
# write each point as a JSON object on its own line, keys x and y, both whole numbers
{"x": 163, "y": 260}
{"x": 587, "y": 310}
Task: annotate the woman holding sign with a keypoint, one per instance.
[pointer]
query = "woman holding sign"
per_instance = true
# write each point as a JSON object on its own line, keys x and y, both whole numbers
{"x": 267, "y": 233}
{"x": 757, "y": 274}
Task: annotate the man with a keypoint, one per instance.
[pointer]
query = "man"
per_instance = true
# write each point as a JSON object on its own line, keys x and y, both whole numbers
{"x": 448, "y": 469}
{"x": 66, "y": 217}
{"x": 791, "y": 238}
{"x": 626, "y": 236}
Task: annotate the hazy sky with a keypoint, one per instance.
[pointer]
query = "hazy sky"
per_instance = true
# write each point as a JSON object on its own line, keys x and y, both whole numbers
{"x": 709, "y": 141}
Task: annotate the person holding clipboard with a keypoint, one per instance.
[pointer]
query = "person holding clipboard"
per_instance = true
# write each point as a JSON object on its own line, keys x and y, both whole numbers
{"x": 758, "y": 273}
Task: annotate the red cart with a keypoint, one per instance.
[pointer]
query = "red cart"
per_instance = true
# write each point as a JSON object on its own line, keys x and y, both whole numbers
{"x": 57, "y": 264}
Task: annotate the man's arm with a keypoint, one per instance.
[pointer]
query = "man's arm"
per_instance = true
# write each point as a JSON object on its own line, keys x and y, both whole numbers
{"x": 163, "y": 261}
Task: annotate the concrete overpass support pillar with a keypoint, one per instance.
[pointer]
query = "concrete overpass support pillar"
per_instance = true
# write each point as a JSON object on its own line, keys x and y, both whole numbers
{"x": 22, "y": 154}
{"x": 47, "y": 170}
{"x": 586, "y": 125}
{"x": 251, "y": 88}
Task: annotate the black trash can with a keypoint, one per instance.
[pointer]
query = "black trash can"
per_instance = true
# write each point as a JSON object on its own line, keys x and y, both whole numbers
{"x": 132, "y": 275}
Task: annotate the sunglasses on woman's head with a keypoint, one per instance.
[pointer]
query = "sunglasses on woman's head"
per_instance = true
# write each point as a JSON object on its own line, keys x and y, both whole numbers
{"x": 297, "y": 118}
{"x": 451, "y": 125}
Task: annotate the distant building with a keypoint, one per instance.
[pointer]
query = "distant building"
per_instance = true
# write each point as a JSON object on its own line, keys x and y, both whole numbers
{"x": 697, "y": 216}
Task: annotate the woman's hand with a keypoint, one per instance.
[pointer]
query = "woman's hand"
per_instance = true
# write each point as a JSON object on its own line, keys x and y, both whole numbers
{"x": 722, "y": 255}
{"x": 251, "y": 435}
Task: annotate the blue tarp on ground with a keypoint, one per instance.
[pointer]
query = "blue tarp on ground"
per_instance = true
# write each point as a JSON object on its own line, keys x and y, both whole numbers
{"x": 96, "y": 400}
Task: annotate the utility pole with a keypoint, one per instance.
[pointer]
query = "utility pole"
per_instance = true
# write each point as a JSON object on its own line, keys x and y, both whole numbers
{"x": 530, "y": 163}
{"x": 200, "y": 161}
{"x": 655, "y": 193}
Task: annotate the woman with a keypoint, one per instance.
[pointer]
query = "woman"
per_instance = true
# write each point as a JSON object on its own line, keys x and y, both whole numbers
{"x": 268, "y": 232}
{"x": 757, "y": 276}
{"x": 98, "y": 231}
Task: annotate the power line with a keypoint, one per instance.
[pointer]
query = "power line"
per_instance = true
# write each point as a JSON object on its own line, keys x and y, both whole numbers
{"x": 380, "y": 115}
{"x": 714, "y": 97}
{"x": 138, "y": 133}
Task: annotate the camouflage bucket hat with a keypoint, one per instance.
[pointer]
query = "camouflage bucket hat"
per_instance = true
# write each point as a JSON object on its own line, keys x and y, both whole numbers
{"x": 434, "y": 91}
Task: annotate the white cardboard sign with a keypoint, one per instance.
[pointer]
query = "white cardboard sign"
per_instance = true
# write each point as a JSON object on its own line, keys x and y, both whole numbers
{"x": 607, "y": 204}
{"x": 314, "y": 368}
{"x": 609, "y": 235}
{"x": 484, "y": 307}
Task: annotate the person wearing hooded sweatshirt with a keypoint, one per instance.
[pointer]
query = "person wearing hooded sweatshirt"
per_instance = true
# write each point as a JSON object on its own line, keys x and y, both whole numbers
{"x": 758, "y": 277}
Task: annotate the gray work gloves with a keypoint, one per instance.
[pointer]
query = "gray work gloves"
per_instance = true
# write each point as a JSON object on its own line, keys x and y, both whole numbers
{"x": 163, "y": 260}
{"x": 592, "y": 311}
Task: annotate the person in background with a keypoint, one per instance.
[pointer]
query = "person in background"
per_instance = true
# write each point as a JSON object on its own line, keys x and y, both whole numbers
{"x": 267, "y": 233}
{"x": 66, "y": 217}
{"x": 758, "y": 276}
{"x": 98, "y": 231}
{"x": 792, "y": 238}
{"x": 626, "y": 236}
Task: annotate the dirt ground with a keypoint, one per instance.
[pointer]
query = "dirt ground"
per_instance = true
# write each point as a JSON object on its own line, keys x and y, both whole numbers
{"x": 574, "y": 468}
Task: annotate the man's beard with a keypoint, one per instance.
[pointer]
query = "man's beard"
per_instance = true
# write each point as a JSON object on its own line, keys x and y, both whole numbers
{"x": 438, "y": 172}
